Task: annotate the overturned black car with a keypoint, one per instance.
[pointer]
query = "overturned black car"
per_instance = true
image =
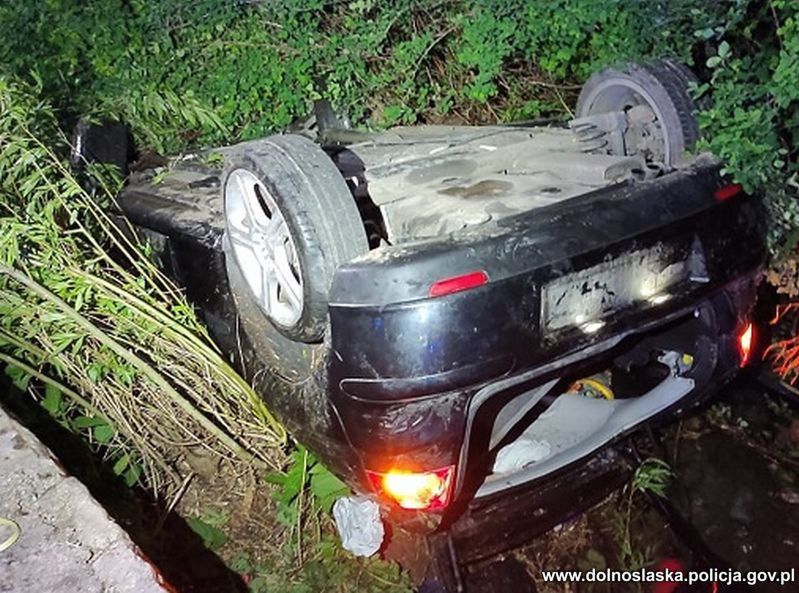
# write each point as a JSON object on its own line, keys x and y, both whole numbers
{"x": 466, "y": 323}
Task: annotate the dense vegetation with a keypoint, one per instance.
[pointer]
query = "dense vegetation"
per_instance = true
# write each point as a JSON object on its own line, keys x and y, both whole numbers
{"x": 117, "y": 352}
{"x": 213, "y": 71}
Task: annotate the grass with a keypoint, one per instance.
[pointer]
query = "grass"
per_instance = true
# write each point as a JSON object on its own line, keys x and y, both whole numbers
{"x": 651, "y": 477}
{"x": 91, "y": 326}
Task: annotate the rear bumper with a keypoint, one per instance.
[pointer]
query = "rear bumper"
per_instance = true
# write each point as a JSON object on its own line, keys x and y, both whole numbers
{"x": 495, "y": 524}
{"x": 453, "y": 426}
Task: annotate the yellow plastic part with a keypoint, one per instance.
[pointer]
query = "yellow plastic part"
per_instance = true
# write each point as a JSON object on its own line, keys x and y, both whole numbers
{"x": 600, "y": 387}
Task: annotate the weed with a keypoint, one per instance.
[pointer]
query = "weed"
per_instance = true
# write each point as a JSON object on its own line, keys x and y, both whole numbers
{"x": 651, "y": 477}
{"x": 213, "y": 159}
{"x": 305, "y": 495}
{"x": 328, "y": 568}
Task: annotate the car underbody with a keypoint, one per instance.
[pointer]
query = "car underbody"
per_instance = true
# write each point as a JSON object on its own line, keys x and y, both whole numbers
{"x": 428, "y": 181}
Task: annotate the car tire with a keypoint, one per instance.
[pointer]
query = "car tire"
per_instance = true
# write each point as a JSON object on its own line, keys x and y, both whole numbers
{"x": 663, "y": 86}
{"x": 290, "y": 221}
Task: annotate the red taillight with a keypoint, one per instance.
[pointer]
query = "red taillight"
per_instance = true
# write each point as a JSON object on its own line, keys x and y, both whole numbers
{"x": 746, "y": 340}
{"x": 415, "y": 490}
{"x": 458, "y": 283}
{"x": 728, "y": 191}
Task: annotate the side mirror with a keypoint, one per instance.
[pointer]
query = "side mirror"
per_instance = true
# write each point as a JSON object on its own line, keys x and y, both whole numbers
{"x": 107, "y": 143}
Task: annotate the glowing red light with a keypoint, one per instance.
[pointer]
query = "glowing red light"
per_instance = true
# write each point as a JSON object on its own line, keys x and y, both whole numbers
{"x": 673, "y": 565}
{"x": 728, "y": 191}
{"x": 415, "y": 490}
{"x": 745, "y": 342}
{"x": 458, "y": 283}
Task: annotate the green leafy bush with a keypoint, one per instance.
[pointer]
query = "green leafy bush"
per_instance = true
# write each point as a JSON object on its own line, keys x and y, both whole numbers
{"x": 753, "y": 122}
{"x": 257, "y": 65}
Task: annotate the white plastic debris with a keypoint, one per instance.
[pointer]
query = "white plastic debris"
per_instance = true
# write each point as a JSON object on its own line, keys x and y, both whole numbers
{"x": 359, "y": 525}
{"x": 520, "y": 453}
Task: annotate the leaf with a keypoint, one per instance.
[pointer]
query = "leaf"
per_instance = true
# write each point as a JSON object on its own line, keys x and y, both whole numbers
{"x": 88, "y": 421}
{"x": 327, "y": 488}
{"x": 294, "y": 482}
{"x": 95, "y": 372}
{"x": 18, "y": 377}
{"x": 103, "y": 434}
{"x": 212, "y": 537}
{"x": 258, "y": 585}
{"x": 241, "y": 562}
{"x": 706, "y": 33}
{"x": 132, "y": 475}
{"x": 275, "y": 478}
{"x": 52, "y": 399}
{"x": 121, "y": 464}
